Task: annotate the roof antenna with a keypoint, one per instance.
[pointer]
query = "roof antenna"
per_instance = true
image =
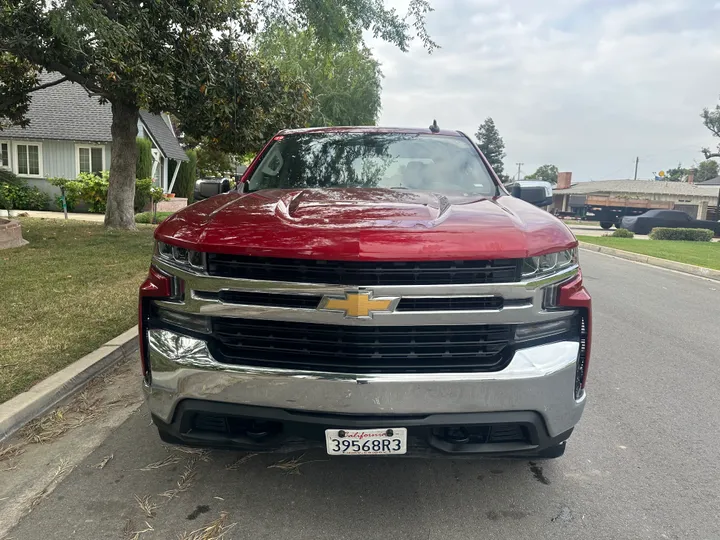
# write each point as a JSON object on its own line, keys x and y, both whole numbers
{"x": 435, "y": 128}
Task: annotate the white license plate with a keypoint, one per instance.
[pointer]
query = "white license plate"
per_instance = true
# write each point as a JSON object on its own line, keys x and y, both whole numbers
{"x": 366, "y": 442}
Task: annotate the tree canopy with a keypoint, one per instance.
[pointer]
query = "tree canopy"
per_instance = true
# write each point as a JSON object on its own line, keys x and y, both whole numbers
{"x": 189, "y": 58}
{"x": 706, "y": 170}
{"x": 344, "y": 79}
{"x": 711, "y": 120}
{"x": 546, "y": 173}
{"x": 492, "y": 146}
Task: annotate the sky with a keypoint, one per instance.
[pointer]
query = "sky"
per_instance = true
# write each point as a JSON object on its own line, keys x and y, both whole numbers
{"x": 587, "y": 85}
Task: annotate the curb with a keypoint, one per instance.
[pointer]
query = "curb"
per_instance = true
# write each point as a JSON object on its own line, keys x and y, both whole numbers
{"x": 691, "y": 269}
{"x": 42, "y": 397}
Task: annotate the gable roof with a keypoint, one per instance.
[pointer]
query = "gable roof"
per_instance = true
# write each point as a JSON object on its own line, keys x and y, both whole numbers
{"x": 66, "y": 112}
{"x": 638, "y": 187}
{"x": 163, "y": 136}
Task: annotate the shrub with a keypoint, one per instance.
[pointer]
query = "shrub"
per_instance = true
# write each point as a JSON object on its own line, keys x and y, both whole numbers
{"x": 146, "y": 217}
{"x": 16, "y": 194}
{"x": 185, "y": 181}
{"x": 93, "y": 190}
{"x": 143, "y": 166}
{"x": 72, "y": 192}
{"x": 690, "y": 235}
{"x": 7, "y": 181}
{"x": 142, "y": 193}
{"x": 622, "y": 233}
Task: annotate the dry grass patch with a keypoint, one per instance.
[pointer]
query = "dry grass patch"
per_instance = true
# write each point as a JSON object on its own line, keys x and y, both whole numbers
{"x": 73, "y": 288}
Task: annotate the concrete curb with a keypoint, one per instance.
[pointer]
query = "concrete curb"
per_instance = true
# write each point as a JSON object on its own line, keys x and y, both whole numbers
{"x": 46, "y": 394}
{"x": 700, "y": 271}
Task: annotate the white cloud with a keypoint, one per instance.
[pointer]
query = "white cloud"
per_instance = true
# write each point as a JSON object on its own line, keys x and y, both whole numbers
{"x": 586, "y": 85}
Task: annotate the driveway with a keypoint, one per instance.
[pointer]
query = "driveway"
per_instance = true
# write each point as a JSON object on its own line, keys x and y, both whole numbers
{"x": 644, "y": 463}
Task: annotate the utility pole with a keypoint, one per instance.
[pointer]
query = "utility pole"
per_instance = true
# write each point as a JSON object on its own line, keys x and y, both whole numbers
{"x": 637, "y": 160}
{"x": 518, "y": 174}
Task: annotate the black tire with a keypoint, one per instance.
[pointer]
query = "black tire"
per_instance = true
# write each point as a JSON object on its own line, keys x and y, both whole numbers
{"x": 606, "y": 225}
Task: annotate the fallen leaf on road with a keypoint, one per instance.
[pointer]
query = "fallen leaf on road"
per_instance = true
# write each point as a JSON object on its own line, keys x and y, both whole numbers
{"x": 170, "y": 460}
{"x": 104, "y": 462}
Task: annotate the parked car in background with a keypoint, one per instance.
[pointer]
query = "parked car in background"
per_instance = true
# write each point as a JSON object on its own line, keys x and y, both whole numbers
{"x": 646, "y": 222}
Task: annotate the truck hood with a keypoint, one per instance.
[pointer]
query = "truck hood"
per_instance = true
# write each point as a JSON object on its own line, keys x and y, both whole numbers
{"x": 366, "y": 224}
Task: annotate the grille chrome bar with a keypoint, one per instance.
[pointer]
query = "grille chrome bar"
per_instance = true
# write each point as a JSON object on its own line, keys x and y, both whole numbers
{"x": 522, "y": 301}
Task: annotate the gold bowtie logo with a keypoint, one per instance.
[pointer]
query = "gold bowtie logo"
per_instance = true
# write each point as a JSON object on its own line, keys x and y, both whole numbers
{"x": 358, "y": 304}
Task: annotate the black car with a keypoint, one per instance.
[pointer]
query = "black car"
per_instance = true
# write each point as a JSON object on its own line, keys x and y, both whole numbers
{"x": 644, "y": 223}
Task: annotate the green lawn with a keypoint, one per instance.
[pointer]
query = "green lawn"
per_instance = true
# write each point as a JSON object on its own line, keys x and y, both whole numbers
{"x": 71, "y": 289}
{"x": 705, "y": 254}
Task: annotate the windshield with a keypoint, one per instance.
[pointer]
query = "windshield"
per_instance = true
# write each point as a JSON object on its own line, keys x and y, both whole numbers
{"x": 438, "y": 163}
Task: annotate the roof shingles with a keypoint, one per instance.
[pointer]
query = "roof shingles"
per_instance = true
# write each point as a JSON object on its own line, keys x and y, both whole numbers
{"x": 66, "y": 112}
{"x": 638, "y": 187}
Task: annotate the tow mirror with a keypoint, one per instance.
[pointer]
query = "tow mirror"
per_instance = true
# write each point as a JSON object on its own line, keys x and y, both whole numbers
{"x": 536, "y": 195}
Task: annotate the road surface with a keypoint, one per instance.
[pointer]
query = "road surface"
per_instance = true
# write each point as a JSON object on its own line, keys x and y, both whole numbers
{"x": 644, "y": 462}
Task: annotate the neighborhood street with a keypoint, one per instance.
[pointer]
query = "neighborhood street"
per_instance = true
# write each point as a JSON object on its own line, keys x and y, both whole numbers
{"x": 644, "y": 462}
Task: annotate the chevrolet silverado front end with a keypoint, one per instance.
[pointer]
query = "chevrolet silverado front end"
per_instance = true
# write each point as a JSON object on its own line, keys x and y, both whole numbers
{"x": 366, "y": 291}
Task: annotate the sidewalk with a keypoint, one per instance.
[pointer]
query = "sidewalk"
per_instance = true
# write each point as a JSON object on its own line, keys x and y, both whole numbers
{"x": 100, "y": 218}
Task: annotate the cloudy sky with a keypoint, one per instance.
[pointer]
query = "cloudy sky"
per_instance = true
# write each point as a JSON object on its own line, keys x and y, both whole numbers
{"x": 585, "y": 84}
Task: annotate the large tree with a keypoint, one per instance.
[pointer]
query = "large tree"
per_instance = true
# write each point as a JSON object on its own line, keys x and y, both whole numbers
{"x": 492, "y": 146}
{"x": 711, "y": 120}
{"x": 189, "y": 58}
{"x": 343, "y": 77}
{"x": 546, "y": 173}
{"x": 706, "y": 170}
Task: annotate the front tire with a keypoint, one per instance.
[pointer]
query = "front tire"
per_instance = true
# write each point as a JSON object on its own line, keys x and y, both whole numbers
{"x": 607, "y": 225}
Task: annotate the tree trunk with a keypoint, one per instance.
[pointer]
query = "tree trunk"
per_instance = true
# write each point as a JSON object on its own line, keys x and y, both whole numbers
{"x": 120, "y": 213}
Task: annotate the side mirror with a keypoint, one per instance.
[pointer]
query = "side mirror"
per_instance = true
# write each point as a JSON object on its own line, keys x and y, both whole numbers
{"x": 536, "y": 195}
{"x": 207, "y": 187}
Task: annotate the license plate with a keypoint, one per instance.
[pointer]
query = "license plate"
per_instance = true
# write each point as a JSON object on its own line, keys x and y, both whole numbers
{"x": 366, "y": 442}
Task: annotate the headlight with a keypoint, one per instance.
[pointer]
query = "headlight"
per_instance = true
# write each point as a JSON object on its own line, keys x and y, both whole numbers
{"x": 535, "y": 267}
{"x": 182, "y": 257}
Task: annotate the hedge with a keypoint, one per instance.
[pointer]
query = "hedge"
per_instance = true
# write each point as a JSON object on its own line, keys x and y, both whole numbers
{"x": 143, "y": 165}
{"x": 622, "y": 233}
{"x": 690, "y": 235}
{"x": 146, "y": 217}
{"x": 185, "y": 181}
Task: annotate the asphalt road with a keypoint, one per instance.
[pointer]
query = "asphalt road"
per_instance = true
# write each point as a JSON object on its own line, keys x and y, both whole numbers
{"x": 643, "y": 463}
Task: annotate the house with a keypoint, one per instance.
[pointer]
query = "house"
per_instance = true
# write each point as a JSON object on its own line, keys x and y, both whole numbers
{"x": 69, "y": 133}
{"x": 711, "y": 182}
{"x": 698, "y": 200}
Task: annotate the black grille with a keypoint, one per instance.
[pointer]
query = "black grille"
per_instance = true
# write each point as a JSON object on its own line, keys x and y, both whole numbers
{"x": 363, "y": 272}
{"x": 371, "y": 349}
{"x": 450, "y": 304}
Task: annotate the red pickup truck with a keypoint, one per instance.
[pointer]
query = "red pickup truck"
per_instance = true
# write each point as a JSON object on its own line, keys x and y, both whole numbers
{"x": 366, "y": 291}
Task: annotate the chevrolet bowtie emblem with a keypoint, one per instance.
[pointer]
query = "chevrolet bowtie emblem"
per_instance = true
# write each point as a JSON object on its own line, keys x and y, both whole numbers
{"x": 358, "y": 304}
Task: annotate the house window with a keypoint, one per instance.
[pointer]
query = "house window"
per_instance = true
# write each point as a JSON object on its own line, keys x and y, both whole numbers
{"x": 5, "y": 154}
{"x": 90, "y": 159}
{"x": 28, "y": 159}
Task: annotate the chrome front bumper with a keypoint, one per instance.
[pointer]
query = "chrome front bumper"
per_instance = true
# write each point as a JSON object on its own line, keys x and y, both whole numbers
{"x": 538, "y": 379}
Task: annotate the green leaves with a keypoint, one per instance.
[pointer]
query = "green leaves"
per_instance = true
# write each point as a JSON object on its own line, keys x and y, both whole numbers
{"x": 492, "y": 146}
{"x": 344, "y": 79}
{"x": 546, "y": 173}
